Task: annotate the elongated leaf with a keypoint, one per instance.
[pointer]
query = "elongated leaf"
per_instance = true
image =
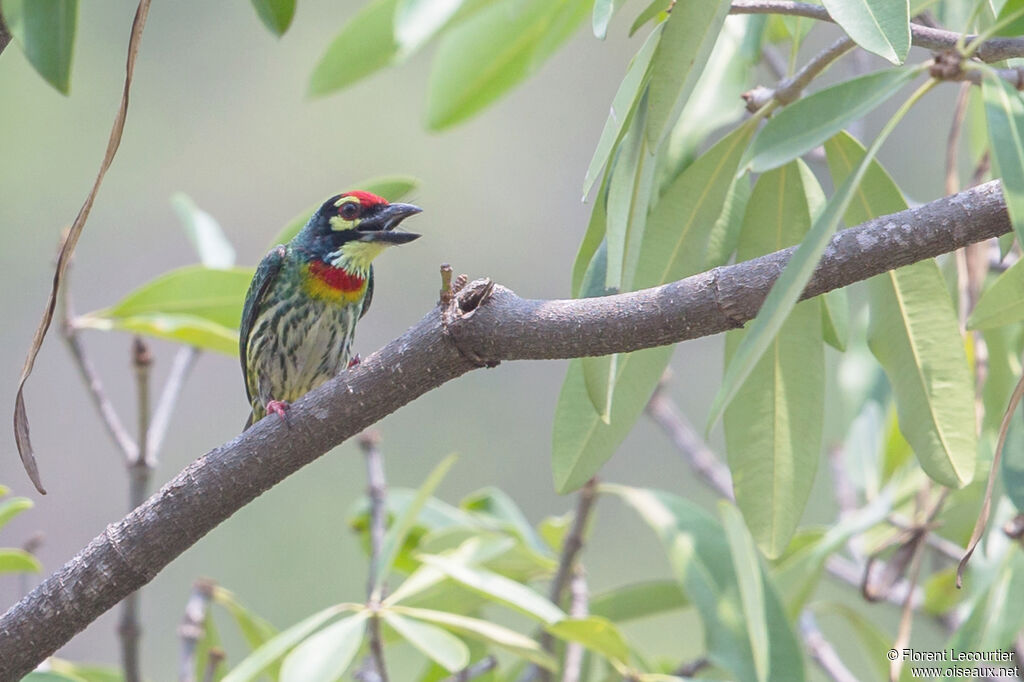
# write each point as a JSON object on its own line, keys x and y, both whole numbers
{"x": 690, "y": 34}
{"x": 747, "y": 565}
{"x": 390, "y": 187}
{"x": 787, "y": 288}
{"x": 1013, "y": 475}
{"x": 256, "y": 662}
{"x": 499, "y": 588}
{"x": 188, "y": 329}
{"x": 1004, "y": 112}
{"x": 1002, "y": 303}
{"x": 652, "y": 10}
{"x": 492, "y": 51}
{"x": 810, "y": 121}
{"x": 774, "y": 423}
{"x": 18, "y": 561}
{"x": 206, "y": 235}
{"x": 701, "y": 560}
{"x": 365, "y": 44}
{"x": 915, "y": 336}
{"x": 675, "y": 241}
{"x": 497, "y": 504}
{"x": 1014, "y": 27}
{"x": 835, "y": 318}
{"x": 725, "y": 235}
{"x": 254, "y": 629}
{"x": 445, "y": 649}
{"x": 638, "y": 600}
{"x": 396, "y": 535}
{"x": 996, "y": 616}
{"x": 599, "y": 372}
{"x": 45, "y": 30}
{"x": 12, "y": 507}
{"x": 624, "y": 104}
{"x": 603, "y": 11}
{"x": 417, "y": 21}
{"x": 327, "y": 654}
{"x": 626, "y": 189}
{"x": 595, "y": 633}
{"x": 276, "y": 15}
{"x": 879, "y": 26}
{"x": 484, "y": 631}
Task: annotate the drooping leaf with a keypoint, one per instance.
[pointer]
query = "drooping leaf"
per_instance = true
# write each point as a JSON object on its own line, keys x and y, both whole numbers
{"x": 995, "y": 617}
{"x": 1013, "y": 475}
{"x": 879, "y": 26}
{"x": 190, "y": 330}
{"x": 773, "y": 425}
{"x": 811, "y": 120}
{"x": 835, "y": 318}
{"x": 1004, "y": 112}
{"x": 276, "y": 15}
{"x": 497, "y": 587}
{"x": 256, "y": 630}
{"x": 726, "y": 233}
{"x": 638, "y": 600}
{"x": 256, "y": 662}
{"x": 624, "y": 104}
{"x": 595, "y": 633}
{"x": 603, "y": 11}
{"x": 497, "y": 504}
{"x": 493, "y": 50}
{"x": 327, "y": 654}
{"x": 45, "y": 30}
{"x": 599, "y": 372}
{"x": 206, "y": 235}
{"x": 701, "y": 560}
{"x": 747, "y": 565}
{"x": 1001, "y": 303}
{"x": 915, "y": 336}
{"x": 365, "y": 44}
{"x": 652, "y": 10}
{"x": 628, "y": 198}
{"x": 18, "y": 561}
{"x": 417, "y": 21}
{"x": 12, "y": 507}
{"x": 1010, "y": 26}
{"x": 445, "y": 649}
{"x": 689, "y": 36}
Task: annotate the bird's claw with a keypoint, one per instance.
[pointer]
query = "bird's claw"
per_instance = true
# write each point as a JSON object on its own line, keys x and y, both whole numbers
{"x": 280, "y": 408}
{"x": 354, "y": 361}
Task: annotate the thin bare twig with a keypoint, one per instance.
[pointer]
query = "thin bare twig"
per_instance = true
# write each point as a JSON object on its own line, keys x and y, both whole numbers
{"x": 578, "y": 608}
{"x": 789, "y": 89}
{"x": 481, "y": 667}
{"x": 213, "y": 661}
{"x": 182, "y": 364}
{"x": 192, "y": 628}
{"x": 691, "y": 668}
{"x": 822, "y": 651}
{"x": 702, "y": 460}
{"x": 369, "y": 441}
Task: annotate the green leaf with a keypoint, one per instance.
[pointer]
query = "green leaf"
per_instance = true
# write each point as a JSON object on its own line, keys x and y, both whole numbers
{"x": 214, "y": 249}
{"x": 1013, "y": 474}
{"x": 655, "y": 8}
{"x": 871, "y": 638}
{"x": 1004, "y": 112}
{"x": 391, "y": 187}
{"x": 599, "y": 372}
{"x": 276, "y": 15}
{"x": 595, "y": 633}
{"x": 725, "y": 235}
{"x": 396, "y": 535}
{"x": 187, "y": 329}
{"x": 84, "y": 673}
{"x": 835, "y": 318}
{"x": 259, "y": 660}
{"x": 628, "y": 198}
{"x": 365, "y": 44}
{"x": 1015, "y": 27}
{"x": 995, "y": 617}
{"x": 499, "y": 588}
{"x": 809, "y": 121}
{"x": 1001, "y": 303}
{"x": 747, "y": 565}
{"x": 12, "y": 507}
{"x": 774, "y": 423}
{"x": 689, "y": 36}
{"x": 327, "y": 654}
{"x": 18, "y": 561}
{"x": 492, "y": 51}
{"x": 484, "y": 631}
{"x": 624, "y": 105}
{"x": 445, "y": 649}
{"x": 255, "y": 629}
{"x": 701, "y": 560}
{"x": 879, "y": 26}
{"x": 45, "y": 30}
{"x": 477, "y": 549}
{"x": 417, "y": 21}
{"x": 914, "y": 334}
{"x": 496, "y": 504}
{"x": 603, "y": 11}
{"x": 638, "y": 600}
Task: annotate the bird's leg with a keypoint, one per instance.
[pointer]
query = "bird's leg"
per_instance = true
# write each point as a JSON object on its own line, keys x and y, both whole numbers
{"x": 280, "y": 408}
{"x": 354, "y": 361}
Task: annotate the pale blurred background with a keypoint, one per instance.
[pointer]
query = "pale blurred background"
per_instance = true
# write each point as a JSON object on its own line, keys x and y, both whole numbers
{"x": 219, "y": 112}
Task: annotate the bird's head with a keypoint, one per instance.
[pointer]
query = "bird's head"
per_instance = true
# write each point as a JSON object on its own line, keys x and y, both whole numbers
{"x": 349, "y": 230}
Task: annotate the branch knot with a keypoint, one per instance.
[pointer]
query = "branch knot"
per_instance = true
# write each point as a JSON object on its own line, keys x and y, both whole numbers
{"x": 463, "y": 303}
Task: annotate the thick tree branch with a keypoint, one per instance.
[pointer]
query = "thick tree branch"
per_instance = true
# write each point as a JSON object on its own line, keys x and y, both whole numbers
{"x": 5, "y": 35}
{"x": 481, "y": 326}
{"x": 994, "y": 49}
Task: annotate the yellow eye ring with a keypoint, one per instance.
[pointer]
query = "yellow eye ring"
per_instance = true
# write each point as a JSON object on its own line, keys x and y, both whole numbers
{"x": 349, "y": 210}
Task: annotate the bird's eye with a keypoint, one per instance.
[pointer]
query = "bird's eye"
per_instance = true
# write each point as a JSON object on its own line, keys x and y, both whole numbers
{"x": 349, "y": 210}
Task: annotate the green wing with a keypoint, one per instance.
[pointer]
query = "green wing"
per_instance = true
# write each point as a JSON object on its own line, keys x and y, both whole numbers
{"x": 265, "y": 275}
{"x": 369, "y": 294}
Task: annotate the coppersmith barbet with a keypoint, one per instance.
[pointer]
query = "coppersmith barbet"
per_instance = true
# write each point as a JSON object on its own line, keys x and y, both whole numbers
{"x": 307, "y": 295}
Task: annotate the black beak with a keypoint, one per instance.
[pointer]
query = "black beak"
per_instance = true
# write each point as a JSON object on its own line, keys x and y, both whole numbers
{"x": 380, "y": 226}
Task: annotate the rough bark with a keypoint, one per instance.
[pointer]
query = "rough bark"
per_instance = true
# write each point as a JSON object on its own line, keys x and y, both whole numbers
{"x": 480, "y": 326}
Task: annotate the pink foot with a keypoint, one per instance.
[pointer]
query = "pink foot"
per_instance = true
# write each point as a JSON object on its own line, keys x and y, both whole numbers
{"x": 280, "y": 408}
{"x": 354, "y": 361}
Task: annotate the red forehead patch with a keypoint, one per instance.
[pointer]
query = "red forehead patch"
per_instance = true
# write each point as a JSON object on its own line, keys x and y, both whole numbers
{"x": 365, "y": 198}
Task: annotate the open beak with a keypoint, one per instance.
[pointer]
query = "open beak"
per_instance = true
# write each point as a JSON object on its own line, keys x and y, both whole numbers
{"x": 380, "y": 228}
